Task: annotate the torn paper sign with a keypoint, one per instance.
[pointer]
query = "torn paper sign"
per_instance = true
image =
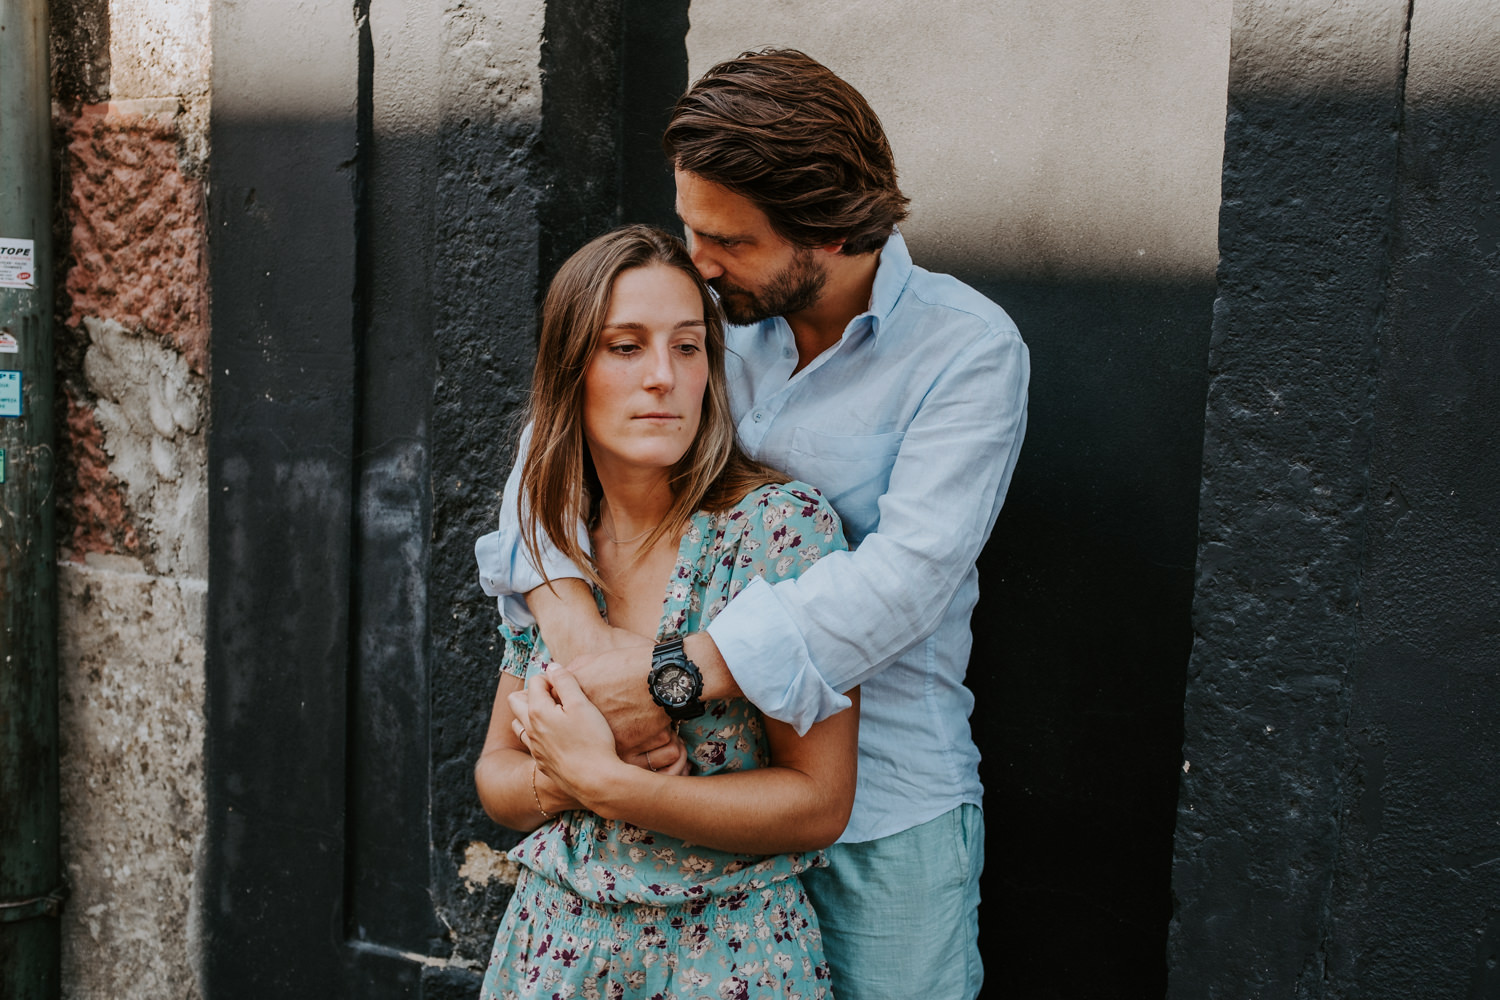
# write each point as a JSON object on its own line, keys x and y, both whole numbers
{"x": 17, "y": 263}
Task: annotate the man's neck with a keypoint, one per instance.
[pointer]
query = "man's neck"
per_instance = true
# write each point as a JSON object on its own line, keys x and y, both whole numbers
{"x": 845, "y": 296}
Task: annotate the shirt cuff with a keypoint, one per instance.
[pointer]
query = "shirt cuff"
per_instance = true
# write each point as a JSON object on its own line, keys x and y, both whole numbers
{"x": 769, "y": 659}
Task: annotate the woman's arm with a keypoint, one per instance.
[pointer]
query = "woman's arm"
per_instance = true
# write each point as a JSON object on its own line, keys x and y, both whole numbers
{"x": 503, "y": 772}
{"x": 800, "y": 803}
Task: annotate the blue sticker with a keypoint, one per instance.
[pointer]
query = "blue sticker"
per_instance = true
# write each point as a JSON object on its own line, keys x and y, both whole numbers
{"x": 10, "y": 394}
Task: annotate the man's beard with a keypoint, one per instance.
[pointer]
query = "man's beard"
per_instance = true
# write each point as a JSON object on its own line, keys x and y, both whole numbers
{"x": 792, "y": 289}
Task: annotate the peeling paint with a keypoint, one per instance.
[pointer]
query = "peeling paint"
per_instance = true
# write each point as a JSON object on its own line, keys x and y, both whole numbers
{"x": 483, "y": 865}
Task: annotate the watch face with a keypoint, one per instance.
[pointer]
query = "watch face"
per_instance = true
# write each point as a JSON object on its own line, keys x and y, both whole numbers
{"x": 674, "y": 685}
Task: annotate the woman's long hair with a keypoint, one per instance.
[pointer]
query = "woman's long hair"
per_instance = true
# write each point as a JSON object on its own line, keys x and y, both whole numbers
{"x": 559, "y": 487}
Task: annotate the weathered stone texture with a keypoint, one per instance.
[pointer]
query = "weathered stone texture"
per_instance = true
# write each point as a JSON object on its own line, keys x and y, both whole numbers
{"x": 131, "y": 689}
{"x": 1308, "y": 184}
{"x": 151, "y": 410}
{"x": 98, "y": 519}
{"x": 79, "y": 50}
{"x": 157, "y": 47}
{"x": 486, "y": 223}
{"x": 131, "y": 99}
{"x": 1336, "y": 837}
{"x": 136, "y": 227}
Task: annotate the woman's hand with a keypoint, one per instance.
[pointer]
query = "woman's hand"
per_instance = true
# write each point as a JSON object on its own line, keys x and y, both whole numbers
{"x": 568, "y": 737}
{"x": 665, "y": 753}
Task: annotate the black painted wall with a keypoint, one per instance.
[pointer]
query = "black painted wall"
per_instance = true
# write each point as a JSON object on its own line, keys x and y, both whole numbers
{"x": 1336, "y": 832}
{"x": 377, "y": 258}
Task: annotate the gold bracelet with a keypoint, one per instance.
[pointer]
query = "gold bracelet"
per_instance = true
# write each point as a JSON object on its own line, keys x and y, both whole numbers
{"x": 535, "y": 796}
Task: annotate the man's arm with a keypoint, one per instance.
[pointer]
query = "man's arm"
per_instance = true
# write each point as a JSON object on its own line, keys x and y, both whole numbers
{"x": 795, "y": 645}
{"x": 615, "y": 680}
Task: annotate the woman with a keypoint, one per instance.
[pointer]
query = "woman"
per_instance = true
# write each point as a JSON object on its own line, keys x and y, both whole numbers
{"x": 648, "y": 880}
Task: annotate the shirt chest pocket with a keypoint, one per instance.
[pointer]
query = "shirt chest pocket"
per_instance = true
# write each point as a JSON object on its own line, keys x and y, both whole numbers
{"x": 853, "y": 471}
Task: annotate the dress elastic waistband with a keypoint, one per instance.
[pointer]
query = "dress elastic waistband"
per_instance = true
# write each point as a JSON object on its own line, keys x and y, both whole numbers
{"x": 556, "y": 903}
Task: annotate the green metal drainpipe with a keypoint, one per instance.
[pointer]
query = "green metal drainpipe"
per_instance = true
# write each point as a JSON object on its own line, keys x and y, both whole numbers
{"x": 31, "y": 890}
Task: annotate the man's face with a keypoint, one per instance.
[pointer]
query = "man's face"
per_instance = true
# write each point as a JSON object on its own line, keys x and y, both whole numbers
{"x": 755, "y": 272}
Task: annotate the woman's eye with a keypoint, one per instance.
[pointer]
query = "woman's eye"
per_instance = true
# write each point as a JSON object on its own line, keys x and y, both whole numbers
{"x": 624, "y": 349}
{"x": 689, "y": 348}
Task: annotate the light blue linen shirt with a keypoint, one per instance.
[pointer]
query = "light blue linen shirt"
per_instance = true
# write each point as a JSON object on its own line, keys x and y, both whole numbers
{"x": 910, "y": 424}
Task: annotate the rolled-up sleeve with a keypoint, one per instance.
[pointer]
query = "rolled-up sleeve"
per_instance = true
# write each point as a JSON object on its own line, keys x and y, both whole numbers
{"x": 506, "y": 571}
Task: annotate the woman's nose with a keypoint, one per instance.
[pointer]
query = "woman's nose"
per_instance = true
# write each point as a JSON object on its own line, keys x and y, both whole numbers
{"x": 659, "y": 373}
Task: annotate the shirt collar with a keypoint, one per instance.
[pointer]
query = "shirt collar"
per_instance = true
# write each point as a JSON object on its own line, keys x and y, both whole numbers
{"x": 891, "y": 276}
{"x": 890, "y": 280}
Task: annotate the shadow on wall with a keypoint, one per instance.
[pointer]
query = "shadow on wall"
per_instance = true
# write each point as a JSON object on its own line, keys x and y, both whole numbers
{"x": 1082, "y": 635}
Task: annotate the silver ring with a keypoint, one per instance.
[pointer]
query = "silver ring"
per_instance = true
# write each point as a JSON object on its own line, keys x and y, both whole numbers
{"x": 648, "y": 761}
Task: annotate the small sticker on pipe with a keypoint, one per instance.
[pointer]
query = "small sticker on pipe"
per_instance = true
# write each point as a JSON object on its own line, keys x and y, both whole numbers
{"x": 10, "y": 394}
{"x": 8, "y": 343}
{"x": 17, "y": 263}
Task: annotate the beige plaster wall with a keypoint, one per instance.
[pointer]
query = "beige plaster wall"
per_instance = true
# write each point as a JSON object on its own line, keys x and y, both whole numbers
{"x": 1066, "y": 138}
{"x": 132, "y": 567}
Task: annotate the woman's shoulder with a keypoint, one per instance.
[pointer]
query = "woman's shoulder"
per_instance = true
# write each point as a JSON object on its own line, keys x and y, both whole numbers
{"x": 790, "y": 499}
{"x": 776, "y": 508}
{"x": 775, "y": 531}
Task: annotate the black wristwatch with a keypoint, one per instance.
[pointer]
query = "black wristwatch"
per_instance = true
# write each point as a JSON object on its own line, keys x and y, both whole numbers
{"x": 675, "y": 683}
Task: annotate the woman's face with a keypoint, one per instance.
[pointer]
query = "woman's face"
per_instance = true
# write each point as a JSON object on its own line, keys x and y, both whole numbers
{"x": 643, "y": 391}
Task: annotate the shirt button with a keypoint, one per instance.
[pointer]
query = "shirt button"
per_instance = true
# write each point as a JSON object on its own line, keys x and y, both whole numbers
{"x": 759, "y": 415}
{"x": 786, "y": 353}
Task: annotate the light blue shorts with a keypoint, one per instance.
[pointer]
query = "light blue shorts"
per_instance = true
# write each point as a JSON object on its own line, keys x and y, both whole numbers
{"x": 900, "y": 915}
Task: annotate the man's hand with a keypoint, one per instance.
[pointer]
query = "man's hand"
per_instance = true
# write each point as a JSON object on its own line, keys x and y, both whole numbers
{"x": 660, "y": 750}
{"x": 615, "y": 681}
{"x": 611, "y": 665}
{"x": 568, "y": 738}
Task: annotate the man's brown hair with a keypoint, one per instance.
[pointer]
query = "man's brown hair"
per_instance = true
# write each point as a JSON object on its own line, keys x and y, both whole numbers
{"x": 783, "y": 130}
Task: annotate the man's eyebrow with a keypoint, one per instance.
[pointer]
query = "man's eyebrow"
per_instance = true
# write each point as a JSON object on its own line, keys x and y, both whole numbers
{"x": 716, "y": 237}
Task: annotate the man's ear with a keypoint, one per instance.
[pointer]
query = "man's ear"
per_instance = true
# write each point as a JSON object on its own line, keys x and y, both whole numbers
{"x": 833, "y": 247}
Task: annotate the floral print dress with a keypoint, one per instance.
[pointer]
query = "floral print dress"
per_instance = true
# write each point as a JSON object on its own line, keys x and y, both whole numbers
{"x": 604, "y": 909}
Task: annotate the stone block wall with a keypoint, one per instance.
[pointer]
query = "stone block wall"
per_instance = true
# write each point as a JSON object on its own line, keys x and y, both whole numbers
{"x": 1336, "y": 833}
{"x": 130, "y": 86}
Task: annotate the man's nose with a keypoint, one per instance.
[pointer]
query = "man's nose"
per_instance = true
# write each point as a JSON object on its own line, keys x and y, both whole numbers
{"x": 704, "y": 261}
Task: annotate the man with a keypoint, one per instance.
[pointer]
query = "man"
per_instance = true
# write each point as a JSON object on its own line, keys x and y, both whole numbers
{"x": 902, "y": 395}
